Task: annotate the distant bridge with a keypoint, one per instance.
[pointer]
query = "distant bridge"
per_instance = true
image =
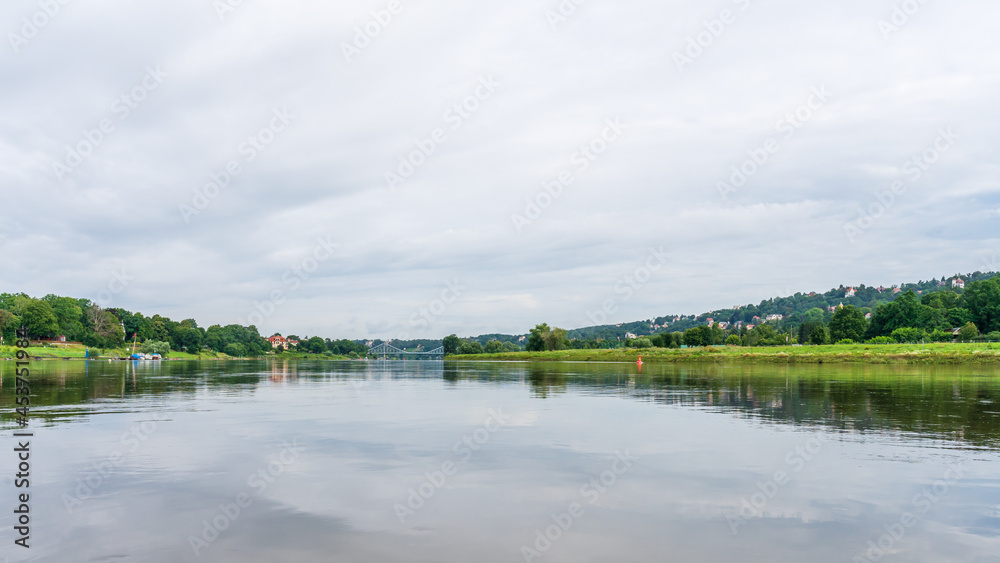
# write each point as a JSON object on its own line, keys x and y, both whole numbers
{"x": 390, "y": 350}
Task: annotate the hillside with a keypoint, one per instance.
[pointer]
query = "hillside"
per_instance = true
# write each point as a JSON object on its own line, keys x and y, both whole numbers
{"x": 791, "y": 309}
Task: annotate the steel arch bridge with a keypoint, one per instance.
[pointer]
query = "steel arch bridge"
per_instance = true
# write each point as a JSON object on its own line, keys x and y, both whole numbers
{"x": 390, "y": 350}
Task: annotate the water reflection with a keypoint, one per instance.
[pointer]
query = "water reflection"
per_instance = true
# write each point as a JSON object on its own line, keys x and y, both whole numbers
{"x": 858, "y": 445}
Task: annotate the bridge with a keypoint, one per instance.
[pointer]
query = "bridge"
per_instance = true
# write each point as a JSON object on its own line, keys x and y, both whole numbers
{"x": 385, "y": 350}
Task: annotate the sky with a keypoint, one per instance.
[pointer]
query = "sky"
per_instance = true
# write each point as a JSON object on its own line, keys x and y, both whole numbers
{"x": 411, "y": 169}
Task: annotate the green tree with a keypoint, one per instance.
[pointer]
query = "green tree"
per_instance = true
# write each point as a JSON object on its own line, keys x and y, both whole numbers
{"x": 982, "y": 298}
{"x": 968, "y": 333}
{"x": 819, "y": 336}
{"x": 733, "y": 340}
{"x": 40, "y": 320}
{"x": 556, "y": 339}
{"x": 494, "y": 347}
{"x": 470, "y": 348}
{"x": 640, "y": 343}
{"x": 236, "y": 350}
{"x": 68, "y": 314}
{"x": 316, "y": 345}
{"x": 697, "y": 336}
{"x": 848, "y": 323}
{"x": 451, "y": 344}
{"x": 543, "y": 338}
{"x": 8, "y": 321}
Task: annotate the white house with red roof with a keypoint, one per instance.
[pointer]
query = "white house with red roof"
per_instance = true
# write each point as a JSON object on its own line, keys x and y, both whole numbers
{"x": 958, "y": 282}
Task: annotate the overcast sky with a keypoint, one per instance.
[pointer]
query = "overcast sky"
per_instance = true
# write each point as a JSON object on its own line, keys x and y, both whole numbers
{"x": 313, "y": 105}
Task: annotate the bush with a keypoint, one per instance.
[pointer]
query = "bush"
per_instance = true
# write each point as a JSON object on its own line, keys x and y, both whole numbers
{"x": 640, "y": 343}
{"x": 733, "y": 340}
{"x": 493, "y": 347}
{"x": 941, "y": 336}
{"x": 881, "y": 340}
{"x": 470, "y": 348}
{"x": 845, "y": 341}
{"x": 155, "y": 347}
{"x": 908, "y": 335}
{"x": 968, "y": 333}
{"x": 992, "y": 337}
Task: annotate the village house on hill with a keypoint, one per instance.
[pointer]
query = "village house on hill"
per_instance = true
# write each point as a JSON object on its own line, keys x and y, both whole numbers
{"x": 278, "y": 340}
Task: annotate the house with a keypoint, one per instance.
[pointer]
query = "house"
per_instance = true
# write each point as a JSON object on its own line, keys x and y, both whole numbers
{"x": 723, "y": 325}
{"x": 958, "y": 282}
{"x": 278, "y": 340}
{"x": 711, "y": 321}
{"x": 521, "y": 338}
{"x": 868, "y": 316}
{"x": 629, "y": 335}
{"x": 775, "y": 317}
{"x": 896, "y": 290}
{"x": 850, "y": 293}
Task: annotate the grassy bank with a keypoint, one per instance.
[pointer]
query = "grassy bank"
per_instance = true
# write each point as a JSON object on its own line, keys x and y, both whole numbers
{"x": 938, "y": 353}
{"x": 78, "y": 352}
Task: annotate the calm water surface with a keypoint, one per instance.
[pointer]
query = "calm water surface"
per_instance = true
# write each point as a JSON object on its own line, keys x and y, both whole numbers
{"x": 433, "y": 462}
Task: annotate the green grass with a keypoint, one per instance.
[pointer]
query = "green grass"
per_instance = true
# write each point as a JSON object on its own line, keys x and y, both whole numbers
{"x": 937, "y": 353}
{"x": 77, "y": 351}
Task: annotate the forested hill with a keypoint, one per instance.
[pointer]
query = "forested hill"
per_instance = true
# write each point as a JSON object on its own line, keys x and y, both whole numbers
{"x": 792, "y": 308}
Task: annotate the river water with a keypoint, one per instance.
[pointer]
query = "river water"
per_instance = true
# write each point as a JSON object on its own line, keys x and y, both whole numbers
{"x": 505, "y": 462}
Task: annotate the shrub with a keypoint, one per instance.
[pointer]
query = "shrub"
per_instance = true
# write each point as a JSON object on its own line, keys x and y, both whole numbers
{"x": 908, "y": 335}
{"x": 155, "y": 347}
{"x": 968, "y": 332}
{"x": 733, "y": 340}
{"x": 845, "y": 341}
{"x": 881, "y": 340}
{"x": 470, "y": 348}
{"x": 640, "y": 343}
{"x": 941, "y": 336}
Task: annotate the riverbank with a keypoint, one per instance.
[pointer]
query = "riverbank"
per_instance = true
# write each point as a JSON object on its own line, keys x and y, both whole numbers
{"x": 935, "y": 353}
{"x": 78, "y": 352}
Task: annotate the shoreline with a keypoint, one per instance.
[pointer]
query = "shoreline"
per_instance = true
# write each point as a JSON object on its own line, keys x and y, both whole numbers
{"x": 947, "y": 353}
